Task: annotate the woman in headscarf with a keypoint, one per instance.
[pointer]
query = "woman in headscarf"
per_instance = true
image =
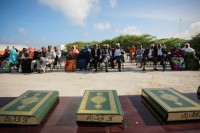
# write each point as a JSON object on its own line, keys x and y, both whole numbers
{"x": 176, "y": 58}
{"x": 12, "y": 58}
{"x": 187, "y": 48}
{"x": 191, "y": 61}
{"x": 83, "y": 58}
{"x": 70, "y": 64}
{"x": 30, "y": 52}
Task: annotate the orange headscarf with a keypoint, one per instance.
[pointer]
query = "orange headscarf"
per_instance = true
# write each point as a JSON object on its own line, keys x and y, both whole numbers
{"x": 74, "y": 50}
{"x": 31, "y": 52}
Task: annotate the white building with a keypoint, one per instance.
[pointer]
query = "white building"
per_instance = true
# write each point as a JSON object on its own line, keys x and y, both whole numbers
{"x": 61, "y": 47}
{"x": 19, "y": 47}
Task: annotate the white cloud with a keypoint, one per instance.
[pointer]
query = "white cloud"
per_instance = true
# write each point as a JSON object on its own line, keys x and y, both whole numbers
{"x": 102, "y": 26}
{"x": 172, "y": 13}
{"x": 193, "y": 30}
{"x": 22, "y": 31}
{"x": 75, "y": 10}
{"x": 113, "y": 3}
{"x": 131, "y": 30}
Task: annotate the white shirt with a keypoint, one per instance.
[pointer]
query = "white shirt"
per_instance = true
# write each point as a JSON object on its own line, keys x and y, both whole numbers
{"x": 150, "y": 52}
{"x": 95, "y": 52}
{"x": 160, "y": 52}
{"x": 58, "y": 53}
{"x": 117, "y": 52}
{"x": 23, "y": 56}
{"x": 50, "y": 55}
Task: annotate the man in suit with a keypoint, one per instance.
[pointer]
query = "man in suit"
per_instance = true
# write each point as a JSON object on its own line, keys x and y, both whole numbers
{"x": 96, "y": 55}
{"x": 150, "y": 55}
{"x": 161, "y": 55}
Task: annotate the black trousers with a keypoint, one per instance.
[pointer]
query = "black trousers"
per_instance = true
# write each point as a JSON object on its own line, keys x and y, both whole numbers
{"x": 147, "y": 58}
{"x": 95, "y": 62}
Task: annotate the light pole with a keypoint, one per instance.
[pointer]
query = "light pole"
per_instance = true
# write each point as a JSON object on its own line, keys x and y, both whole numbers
{"x": 180, "y": 29}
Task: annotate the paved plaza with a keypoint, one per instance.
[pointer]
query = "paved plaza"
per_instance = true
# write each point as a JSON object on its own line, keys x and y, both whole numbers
{"x": 128, "y": 82}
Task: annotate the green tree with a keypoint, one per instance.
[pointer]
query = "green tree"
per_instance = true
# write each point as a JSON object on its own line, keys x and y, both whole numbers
{"x": 169, "y": 42}
{"x": 195, "y": 42}
{"x": 80, "y": 45}
{"x": 127, "y": 41}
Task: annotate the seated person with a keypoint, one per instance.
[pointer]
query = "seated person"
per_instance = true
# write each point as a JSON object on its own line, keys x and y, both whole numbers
{"x": 22, "y": 56}
{"x": 139, "y": 54}
{"x": 36, "y": 58}
{"x": 41, "y": 59}
{"x": 15, "y": 49}
{"x": 50, "y": 55}
{"x": 96, "y": 56}
{"x": 26, "y": 61}
{"x": 83, "y": 58}
{"x": 176, "y": 59}
{"x": 58, "y": 57}
{"x": 7, "y": 52}
{"x": 161, "y": 54}
{"x": 149, "y": 55}
{"x": 5, "y": 55}
{"x": 191, "y": 61}
{"x": 132, "y": 53}
{"x": 30, "y": 52}
{"x": 118, "y": 56}
{"x": 6, "y": 64}
{"x": 71, "y": 57}
{"x": 106, "y": 56}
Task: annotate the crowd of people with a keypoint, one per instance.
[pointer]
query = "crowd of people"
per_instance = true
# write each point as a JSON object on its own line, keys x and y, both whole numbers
{"x": 30, "y": 60}
{"x": 179, "y": 58}
{"x": 76, "y": 59}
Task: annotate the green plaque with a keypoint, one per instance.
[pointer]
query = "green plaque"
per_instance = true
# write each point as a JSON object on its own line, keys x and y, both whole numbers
{"x": 28, "y": 109}
{"x": 170, "y": 104}
{"x": 100, "y": 106}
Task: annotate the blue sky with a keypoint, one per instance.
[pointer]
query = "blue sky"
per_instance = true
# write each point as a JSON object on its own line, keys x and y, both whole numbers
{"x": 41, "y": 22}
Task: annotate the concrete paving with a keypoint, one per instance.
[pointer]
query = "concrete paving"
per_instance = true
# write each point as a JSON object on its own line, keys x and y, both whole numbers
{"x": 128, "y": 82}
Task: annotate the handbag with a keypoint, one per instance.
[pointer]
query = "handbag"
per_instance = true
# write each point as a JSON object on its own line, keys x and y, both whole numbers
{"x": 70, "y": 56}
